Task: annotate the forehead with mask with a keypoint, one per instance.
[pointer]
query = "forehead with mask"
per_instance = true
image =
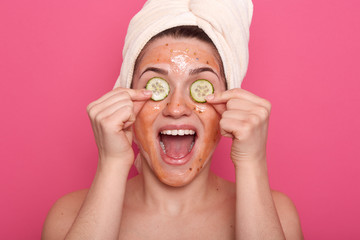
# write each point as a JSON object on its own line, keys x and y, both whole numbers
{"x": 179, "y": 33}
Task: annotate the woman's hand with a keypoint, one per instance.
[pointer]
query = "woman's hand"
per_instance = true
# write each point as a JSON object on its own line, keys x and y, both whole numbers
{"x": 245, "y": 118}
{"x": 99, "y": 216}
{"x": 111, "y": 118}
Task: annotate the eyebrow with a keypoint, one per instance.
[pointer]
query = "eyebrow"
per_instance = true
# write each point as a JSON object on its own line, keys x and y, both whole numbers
{"x": 203, "y": 69}
{"x": 154, "y": 69}
{"x": 191, "y": 72}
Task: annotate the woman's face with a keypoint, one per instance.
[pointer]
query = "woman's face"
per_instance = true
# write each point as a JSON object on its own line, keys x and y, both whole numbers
{"x": 177, "y": 159}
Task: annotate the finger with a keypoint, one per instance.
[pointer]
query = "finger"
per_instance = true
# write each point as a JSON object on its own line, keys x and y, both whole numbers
{"x": 119, "y": 97}
{"x": 108, "y": 99}
{"x": 225, "y": 134}
{"x": 139, "y": 94}
{"x": 133, "y": 94}
{"x": 241, "y": 104}
{"x": 236, "y": 114}
{"x": 105, "y": 96}
{"x": 234, "y": 128}
{"x": 226, "y": 128}
{"x": 114, "y": 103}
{"x": 223, "y": 97}
{"x": 248, "y": 107}
{"x": 109, "y": 110}
{"x": 123, "y": 117}
{"x": 127, "y": 119}
{"x": 220, "y": 107}
{"x": 234, "y": 103}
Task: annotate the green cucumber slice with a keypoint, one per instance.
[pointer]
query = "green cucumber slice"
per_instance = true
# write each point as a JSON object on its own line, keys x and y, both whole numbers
{"x": 159, "y": 87}
{"x": 200, "y": 89}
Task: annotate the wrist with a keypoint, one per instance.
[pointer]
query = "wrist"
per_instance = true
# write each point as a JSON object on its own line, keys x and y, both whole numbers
{"x": 251, "y": 166}
{"x": 126, "y": 157}
{"x": 111, "y": 164}
{"x": 240, "y": 156}
{"x": 252, "y": 176}
{"x": 248, "y": 159}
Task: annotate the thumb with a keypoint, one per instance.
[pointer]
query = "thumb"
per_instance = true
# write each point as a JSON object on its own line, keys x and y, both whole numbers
{"x": 219, "y": 105}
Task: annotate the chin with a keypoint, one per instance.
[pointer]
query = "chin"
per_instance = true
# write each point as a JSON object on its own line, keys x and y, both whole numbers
{"x": 178, "y": 171}
{"x": 175, "y": 180}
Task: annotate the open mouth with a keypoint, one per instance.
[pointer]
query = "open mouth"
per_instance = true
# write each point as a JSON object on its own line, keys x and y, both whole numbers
{"x": 177, "y": 143}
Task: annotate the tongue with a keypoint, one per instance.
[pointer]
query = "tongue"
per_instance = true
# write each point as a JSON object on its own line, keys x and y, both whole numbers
{"x": 177, "y": 146}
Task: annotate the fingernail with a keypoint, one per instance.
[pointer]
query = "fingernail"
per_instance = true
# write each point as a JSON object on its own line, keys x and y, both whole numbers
{"x": 147, "y": 92}
{"x": 209, "y": 97}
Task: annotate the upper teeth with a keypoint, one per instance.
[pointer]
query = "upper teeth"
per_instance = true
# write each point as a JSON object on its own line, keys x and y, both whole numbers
{"x": 180, "y": 132}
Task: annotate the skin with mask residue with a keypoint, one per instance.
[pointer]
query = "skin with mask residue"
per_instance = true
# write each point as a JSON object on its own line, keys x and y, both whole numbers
{"x": 144, "y": 206}
{"x": 178, "y": 64}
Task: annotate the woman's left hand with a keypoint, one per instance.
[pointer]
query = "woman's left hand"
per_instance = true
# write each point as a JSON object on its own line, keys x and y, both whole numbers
{"x": 245, "y": 118}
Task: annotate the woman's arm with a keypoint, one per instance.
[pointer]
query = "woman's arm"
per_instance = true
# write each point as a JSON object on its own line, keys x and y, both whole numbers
{"x": 245, "y": 119}
{"x": 256, "y": 215}
{"x": 100, "y": 214}
{"x": 268, "y": 214}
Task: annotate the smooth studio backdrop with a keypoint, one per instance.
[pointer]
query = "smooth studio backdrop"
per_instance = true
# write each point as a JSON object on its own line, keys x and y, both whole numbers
{"x": 58, "y": 56}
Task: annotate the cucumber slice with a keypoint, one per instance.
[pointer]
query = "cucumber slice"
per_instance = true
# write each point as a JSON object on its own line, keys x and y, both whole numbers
{"x": 159, "y": 87}
{"x": 200, "y": 89}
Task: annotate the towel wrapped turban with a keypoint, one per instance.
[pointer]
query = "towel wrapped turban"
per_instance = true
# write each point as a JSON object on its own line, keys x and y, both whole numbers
{"x": 226, "y": 22}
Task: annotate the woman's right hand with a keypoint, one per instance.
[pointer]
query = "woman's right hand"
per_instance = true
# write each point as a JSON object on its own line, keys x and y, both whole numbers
{"x": 111, "y": 118}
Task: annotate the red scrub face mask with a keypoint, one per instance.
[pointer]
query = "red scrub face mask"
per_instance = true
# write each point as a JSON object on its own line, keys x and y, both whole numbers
{"x": 177, "y": 135}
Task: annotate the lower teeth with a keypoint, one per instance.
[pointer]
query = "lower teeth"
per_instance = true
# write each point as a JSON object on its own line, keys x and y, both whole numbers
{"x": 191, "y": 146}
{"x": 162, "y": 146}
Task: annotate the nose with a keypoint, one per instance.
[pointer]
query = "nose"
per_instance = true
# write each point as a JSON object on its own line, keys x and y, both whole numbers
{"x": 177, "y": 105}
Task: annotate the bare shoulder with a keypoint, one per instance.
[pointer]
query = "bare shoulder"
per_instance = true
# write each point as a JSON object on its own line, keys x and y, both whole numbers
{"x": 62, "y": 215}
{"x": 288, "y": 215}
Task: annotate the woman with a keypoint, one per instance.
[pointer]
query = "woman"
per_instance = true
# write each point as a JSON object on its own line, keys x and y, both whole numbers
{"x": 176, "y": 196}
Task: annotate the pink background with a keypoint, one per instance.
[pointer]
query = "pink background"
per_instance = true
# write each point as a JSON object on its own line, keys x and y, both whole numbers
{"x": 58, "y": 56}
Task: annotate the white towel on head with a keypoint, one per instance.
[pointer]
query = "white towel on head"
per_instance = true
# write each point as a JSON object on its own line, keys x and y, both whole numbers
{"x": 226, "y": 22}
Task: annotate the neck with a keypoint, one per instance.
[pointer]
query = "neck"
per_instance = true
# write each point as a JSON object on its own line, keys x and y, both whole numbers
{"x": 175, "y": 201}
